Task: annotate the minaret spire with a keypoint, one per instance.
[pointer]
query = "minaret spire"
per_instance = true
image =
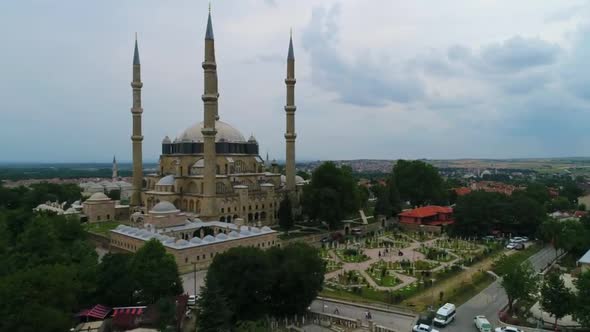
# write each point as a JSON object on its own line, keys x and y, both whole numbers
{"x": 209, "y": 97}
{"x": 290, "y": 108}
{"x": 136, "y": 137}
{"x": 115, "y": 169}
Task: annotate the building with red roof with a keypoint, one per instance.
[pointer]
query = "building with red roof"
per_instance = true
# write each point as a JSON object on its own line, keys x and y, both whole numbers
{"x": 431, "y": 215}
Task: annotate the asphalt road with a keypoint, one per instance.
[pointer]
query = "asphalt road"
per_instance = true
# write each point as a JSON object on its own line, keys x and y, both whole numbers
{"x": 492, "y": 299}
{"x": 399, "y": 322}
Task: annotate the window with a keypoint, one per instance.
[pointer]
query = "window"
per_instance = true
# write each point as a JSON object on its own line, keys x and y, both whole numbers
{"x": 186, "y": 259}
{"x": 221, "y": 210}
{"x": 256, "y": 206}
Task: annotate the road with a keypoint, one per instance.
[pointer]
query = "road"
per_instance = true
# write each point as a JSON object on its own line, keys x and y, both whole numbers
{"x": 492, "y": 299}
{"x": 397, "y": 321}
{"x": 188, "y": 281}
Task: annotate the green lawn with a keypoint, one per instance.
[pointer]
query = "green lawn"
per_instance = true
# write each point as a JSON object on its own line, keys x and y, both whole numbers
{"x": 102, "y": 227}
{"x": 348, "y": 258}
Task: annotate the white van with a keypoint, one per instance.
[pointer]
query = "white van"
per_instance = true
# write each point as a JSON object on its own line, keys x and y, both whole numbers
{"x": 482, "y": 324}
{"x": 445, "y": 314}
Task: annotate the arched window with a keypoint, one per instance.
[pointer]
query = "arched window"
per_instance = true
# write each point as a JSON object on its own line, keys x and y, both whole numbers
{"x": 220, "y": 187}
{"x": 239, "y": 166}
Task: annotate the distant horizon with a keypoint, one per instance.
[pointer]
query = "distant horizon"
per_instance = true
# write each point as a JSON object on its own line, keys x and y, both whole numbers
{"x": 282, "y": 160}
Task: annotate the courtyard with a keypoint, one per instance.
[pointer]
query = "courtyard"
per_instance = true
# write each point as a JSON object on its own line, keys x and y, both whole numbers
{"x": 394, "y": 267}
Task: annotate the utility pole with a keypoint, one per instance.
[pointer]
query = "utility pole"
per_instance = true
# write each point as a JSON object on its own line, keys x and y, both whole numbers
{"x": 195, "y": 278}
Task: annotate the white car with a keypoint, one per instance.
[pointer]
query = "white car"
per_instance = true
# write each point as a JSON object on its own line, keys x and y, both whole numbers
{"x": 507, "y": 329}
{"x": 482, "y": 324}
{"x": 423, "y": 328}
{"x": 511, "y": 245}
{"x": 517, "y": 239}
{"x": 192, "y": 300}
{"x": 525, "y": 239}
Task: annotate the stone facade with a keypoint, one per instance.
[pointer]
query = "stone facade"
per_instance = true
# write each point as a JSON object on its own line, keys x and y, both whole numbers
{"x": 99, "y": 208}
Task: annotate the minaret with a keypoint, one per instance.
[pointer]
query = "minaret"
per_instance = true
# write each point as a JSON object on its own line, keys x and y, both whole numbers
{"x": 209, "y": 98}
{"x": 136, "y": 137}
{"x": 290, "y": 110}
{"x": 115, "y": 169}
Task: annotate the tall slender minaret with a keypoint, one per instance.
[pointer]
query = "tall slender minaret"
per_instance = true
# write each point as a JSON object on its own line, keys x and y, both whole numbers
{"x": 290, "y": 108}
{"x": 209, "y": 97}
{"x": 136, "y": 137}
{"x": 115, "y": 169}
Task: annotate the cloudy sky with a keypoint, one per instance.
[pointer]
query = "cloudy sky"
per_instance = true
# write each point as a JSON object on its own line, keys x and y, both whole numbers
{"x": 375, "y": 79}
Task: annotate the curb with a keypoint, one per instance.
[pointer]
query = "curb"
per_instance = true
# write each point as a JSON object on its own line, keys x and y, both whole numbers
{"x": 366, "y": 306}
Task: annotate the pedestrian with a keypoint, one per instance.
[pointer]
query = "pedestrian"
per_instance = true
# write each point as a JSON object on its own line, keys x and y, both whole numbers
{"x": 379, "y": 253}
{"x": 336, "y": 312}
{"x": 369, "y": 315}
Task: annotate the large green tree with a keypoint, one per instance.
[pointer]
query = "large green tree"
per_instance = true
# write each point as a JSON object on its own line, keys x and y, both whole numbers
{"x": 213, "y": 311}
{"x": 244, "y": 275}
{"x": 154, "y": 273}
{"x": 581, "y": 309}
{"x": 556, "y": 298}
{"x": 298, "y": 276}
{"x": 285, "y": 214}
{"x": 419, "y": 182}
{"x": 115, "y": 285}
{"x": 520, "y": 283}
{"x": 332, "y": 194}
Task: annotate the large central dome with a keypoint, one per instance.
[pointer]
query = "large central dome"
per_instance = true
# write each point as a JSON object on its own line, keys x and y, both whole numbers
{"x": 225, "y": 133}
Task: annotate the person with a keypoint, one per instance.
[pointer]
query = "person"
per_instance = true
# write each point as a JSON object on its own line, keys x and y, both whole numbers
{"x": 369, "y": 315}
{"x": 379, "y": 253}
{"x": 336, "y": 312}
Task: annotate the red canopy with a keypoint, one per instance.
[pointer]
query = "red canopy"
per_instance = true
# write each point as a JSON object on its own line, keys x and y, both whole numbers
{"x": 98, "y": 311}
{"x": 134, "y": 311}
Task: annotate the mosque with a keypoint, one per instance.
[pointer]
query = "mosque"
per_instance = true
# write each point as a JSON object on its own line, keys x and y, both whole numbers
{"x": 211, "y": 190}
{"x": 210, "y": 170}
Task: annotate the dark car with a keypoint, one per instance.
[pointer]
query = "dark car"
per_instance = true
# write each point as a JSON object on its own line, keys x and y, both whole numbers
{"x": 518, "y": 246}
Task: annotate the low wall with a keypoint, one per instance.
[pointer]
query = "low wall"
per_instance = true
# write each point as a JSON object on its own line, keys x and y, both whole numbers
{"x": 425, "y": 228}
{"x": 99, "y": 240}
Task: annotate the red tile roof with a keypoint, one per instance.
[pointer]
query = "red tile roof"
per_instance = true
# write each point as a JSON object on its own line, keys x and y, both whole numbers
{"x": 462, "y": 191}
{"x": 426, "y": 211}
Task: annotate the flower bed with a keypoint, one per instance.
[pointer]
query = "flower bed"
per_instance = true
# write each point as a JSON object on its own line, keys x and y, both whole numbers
{"x": 435, "y": 254}
{"x": 351, "y": 255}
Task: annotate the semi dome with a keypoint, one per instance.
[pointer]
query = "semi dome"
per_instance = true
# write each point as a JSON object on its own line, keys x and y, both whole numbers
{"x": 99, "y": 197}
{"x": 225, "y": 133}
{"x": 164, "y": 207}
{"x": 168, "y": 180}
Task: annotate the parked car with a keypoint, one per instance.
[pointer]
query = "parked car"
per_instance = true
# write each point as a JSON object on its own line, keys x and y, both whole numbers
{"x": 507, "y": 329}
{"x": 482, "y": 324}
{"x": 423, "y": 328}
{"x": 518, "y": 246}
{"x": 517, "y": 239}
{"x": 445, "y": 315}
{"x": 192, "y": 300}
{"x": 526, "y": 239}
{"x": 511, "y": 245}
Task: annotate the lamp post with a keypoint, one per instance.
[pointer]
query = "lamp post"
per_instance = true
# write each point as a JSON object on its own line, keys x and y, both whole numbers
{"x": 194, "y": 278}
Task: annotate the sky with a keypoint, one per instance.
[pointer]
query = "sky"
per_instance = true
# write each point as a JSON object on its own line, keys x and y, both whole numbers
{"x": 379, "y": 79}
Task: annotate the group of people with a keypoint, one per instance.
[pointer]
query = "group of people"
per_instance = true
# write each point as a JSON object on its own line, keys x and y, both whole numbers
{"x": 399, "y": 252}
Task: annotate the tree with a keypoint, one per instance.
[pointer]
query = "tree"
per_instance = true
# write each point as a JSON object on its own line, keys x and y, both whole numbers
{"x": 556, "y": 299}
{"x": 247, "y": 295}
{"x": 155, "y": 273}
{"x": 332, "y": 194}
{"x": 285, "y": 214}
{"x": 304, "y": 175}
{"x": 418, "y": 182}
{"x": 213, "y": 312}
{"x": 166, "y": 313}
{"x": 383, "y": 204}
{"x": 297, "y": 278}
{"x": 114, "y": 286}
{"x": 581, "y": 310}
{"x": 519, "y": 282}
{"x": 115, "y": 194}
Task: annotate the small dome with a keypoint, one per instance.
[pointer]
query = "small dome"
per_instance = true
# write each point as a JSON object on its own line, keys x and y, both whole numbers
{"x": 266, "y": 229}
{"x": 71, "y": 211}
{"x": 233, "y": 234}
{"x": 208, "y": 238}
{"x": 298, "y": 179}
{"x": 252, "y": 139}
{"x": 164, "y": 207}
{"x": 169, "y": 240}
{"x": 166, "y": 140}
{"x": 244, "y": 230}
{"x": 99, "y": 197}
{"x": 120, "y": 227}
{"x": 255, "y": 230}
{"x": 221, "y": 236}
{"x": 182, "y": 242}
{"x": 168, "y": 180}
{"x": 196, "y": 240}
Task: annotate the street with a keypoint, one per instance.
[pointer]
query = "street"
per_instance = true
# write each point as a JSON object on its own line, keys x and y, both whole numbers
{"x": 397, "y": 321}
{"x": 491, "y": 300}
{"x": 188, "y": 281}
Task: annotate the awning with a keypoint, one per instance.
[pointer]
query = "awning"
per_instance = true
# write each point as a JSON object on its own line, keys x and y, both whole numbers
{"x": 98, "y": 311}
{"x": 133, "y": 311}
